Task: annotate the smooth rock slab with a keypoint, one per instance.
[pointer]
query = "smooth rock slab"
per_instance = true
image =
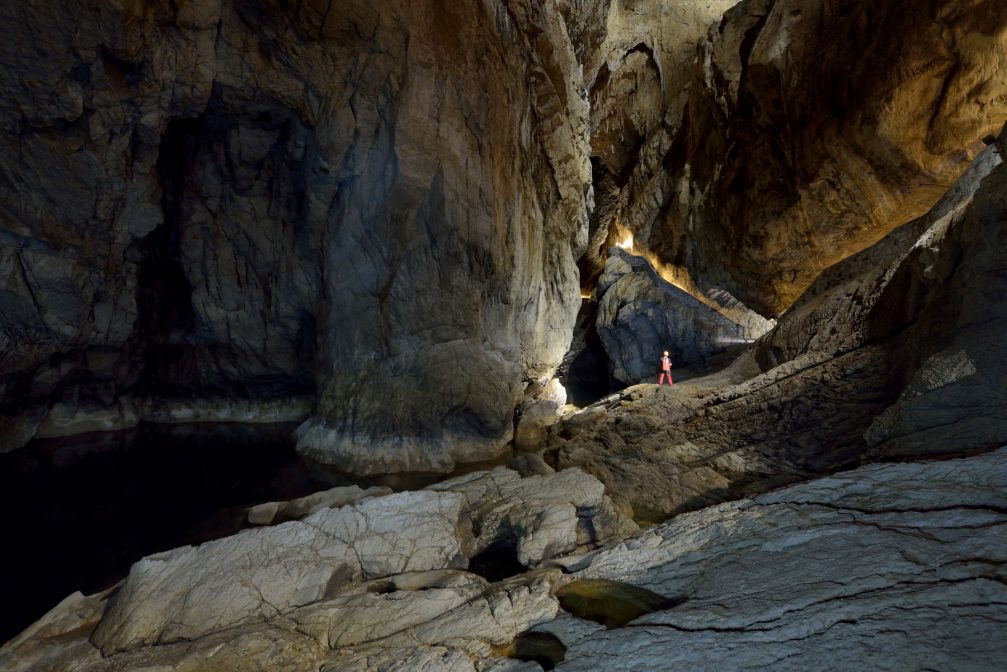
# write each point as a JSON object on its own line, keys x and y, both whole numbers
{"x": 259, "y": 574}
{"x": 884, "y": 567}
{"x": 408, "y": 600}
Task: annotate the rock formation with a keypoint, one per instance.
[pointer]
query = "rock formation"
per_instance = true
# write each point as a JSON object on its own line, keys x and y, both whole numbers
{"x": 356, "y": 203}
{"x": 893, "y": 354}
{"x": 789, "y": 157}
{"x": 381, "y": 219}
{"x": 899, "y": 563}
{"x": 640, "y": 315}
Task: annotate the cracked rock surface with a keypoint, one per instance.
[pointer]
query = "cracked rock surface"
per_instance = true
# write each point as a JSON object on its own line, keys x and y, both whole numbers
{"x": 893, "y": 566}
{"x": 901, "y": 565}
{"x": 540, "y": 516}
{"x": 258, "y": 574}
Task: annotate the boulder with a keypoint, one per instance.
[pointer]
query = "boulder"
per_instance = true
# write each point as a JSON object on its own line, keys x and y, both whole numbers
{"x": 259, "y": 574}
{"x": 539, "y": 517}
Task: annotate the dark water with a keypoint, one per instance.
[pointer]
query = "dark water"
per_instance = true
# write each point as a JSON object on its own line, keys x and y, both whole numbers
{"x": 78, "y": 512}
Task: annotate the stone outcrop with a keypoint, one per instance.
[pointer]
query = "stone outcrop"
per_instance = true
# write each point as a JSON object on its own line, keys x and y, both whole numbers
{"x": 539, "y": 517}
{"x": 259, "y": 574}
{"x": 271, "y": 513}
{"x": 901, "y": 565}
{"x": 378, "y": 580}
{"x": 640, "y": 315}
{"x": 901, "y": 562}
{"x": 637, "y": 78}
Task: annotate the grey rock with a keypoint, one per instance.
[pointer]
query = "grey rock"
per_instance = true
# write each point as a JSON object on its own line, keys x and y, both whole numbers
{"x": 377, "y": 610}
{"x": 640, "y": 315}
{"x": 278, "y": 512}
{"x": 897, "y": 564}
{"x": 892, "y": 355}
{"x": 251, "y": 210}
{"x": 540, "y": 517}
{"x": 531, "y": 464}
{"x": 58, "y": 640}
{"x": 259, "y": 574}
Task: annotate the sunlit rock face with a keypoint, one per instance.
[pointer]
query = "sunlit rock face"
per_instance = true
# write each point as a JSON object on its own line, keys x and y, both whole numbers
{"x": 812, "y": 129}
{"x": 378, "y": 204}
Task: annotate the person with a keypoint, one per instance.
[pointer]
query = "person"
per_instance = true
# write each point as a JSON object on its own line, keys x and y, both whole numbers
{"x": 665, "y": 370}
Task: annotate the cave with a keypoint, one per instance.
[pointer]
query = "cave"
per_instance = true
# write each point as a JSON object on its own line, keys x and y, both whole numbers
{"x": 331, "y": 335}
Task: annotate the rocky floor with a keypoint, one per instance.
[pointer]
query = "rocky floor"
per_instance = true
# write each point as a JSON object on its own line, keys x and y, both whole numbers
{"x": 897, "y": 566}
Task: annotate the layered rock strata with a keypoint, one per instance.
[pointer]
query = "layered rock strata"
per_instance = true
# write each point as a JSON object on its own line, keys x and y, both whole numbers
{"x": 772, "y": 172}
{"x": 899, "y": 565}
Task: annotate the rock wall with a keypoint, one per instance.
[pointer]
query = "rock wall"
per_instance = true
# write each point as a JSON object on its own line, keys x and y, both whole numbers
{"x": 813, "y": 129}
{"x": 640, "y": 315}
{"x": 897, "y": 354}
{"x": 379, "y": 206}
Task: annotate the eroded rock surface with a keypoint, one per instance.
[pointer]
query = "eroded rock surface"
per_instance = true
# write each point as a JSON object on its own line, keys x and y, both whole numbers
{"x": 539, "y": 516}
{"x": 261, "y": 202}
{"x": 259, "y": 574}
{"x": 900, "y": 562}
{"x": 278, "y": 512}
{"x": 902, "y": 565}
{"x": 640, "y": 315}
{"x": 894, "y": 354}
{"x": 777, "y": 173}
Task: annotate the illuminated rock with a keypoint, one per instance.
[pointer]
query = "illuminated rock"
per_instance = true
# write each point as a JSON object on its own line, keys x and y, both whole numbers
{"x": 259, "y": 574}
{"x": 640, "y": 315}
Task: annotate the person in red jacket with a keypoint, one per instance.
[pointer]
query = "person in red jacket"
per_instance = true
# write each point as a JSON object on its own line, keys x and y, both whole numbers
{"x": 665, "y": 370}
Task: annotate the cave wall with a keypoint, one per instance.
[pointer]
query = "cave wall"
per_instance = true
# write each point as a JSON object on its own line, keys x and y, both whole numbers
{"x": 375, "y": 206}
{"x": 811, "y": 129}
{"x": 373, "y": 214}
